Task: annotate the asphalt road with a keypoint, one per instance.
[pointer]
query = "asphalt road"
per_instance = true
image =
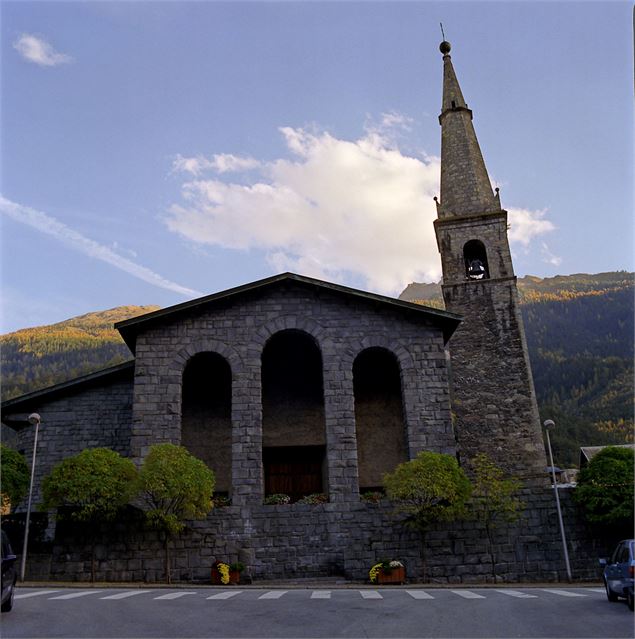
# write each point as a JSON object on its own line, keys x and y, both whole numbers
{"x": 303, "y": 612}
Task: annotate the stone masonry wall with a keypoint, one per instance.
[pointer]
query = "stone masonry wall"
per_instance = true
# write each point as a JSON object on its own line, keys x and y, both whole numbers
{"x": 96, "y": 416}
{"x": 342, "y": 327}
{"x": 341, "y": 540}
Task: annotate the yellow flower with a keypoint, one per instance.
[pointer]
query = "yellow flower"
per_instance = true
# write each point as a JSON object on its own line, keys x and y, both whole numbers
{"x": 223, "y": 570}
{"x": 374, "y": 571}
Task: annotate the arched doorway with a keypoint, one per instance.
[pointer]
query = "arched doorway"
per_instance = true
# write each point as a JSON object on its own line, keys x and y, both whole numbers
{"x": 293, "y": 432}
{"x": 206, "y": 428}
{"x": 379, "y": 422}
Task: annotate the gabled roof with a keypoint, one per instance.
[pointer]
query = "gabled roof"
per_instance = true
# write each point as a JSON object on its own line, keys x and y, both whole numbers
{"x": 130, "y": 328}
{"x": 25, "y": 402}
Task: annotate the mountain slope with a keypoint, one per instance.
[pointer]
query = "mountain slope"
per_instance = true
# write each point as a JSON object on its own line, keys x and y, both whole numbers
{"x": 38, "y": 357}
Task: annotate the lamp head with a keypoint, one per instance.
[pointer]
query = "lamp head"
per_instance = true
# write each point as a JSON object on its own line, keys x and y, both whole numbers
{"x": 549, "y": 423}
{"x": 34, "y": 419}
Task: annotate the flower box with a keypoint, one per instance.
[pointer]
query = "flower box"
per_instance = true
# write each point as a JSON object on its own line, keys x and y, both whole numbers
{"x": 395, "y": 576}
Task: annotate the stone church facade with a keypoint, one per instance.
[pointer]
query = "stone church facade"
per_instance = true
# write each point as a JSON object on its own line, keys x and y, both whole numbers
{"x": 298, "y": 386}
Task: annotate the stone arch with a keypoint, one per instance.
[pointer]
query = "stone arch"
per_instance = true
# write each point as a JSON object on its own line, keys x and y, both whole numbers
{"x": 202, "y": 384}
{"x": 293, "y": 415}
{"x": 380, "y": 427}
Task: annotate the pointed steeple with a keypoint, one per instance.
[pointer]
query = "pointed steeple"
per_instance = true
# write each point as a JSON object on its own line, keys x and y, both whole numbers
{"x": 465, "y": 184}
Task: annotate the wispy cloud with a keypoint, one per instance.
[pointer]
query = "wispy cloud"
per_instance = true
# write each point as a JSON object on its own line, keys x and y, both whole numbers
{"x": 220, "y": 163}
{"x": 49, "y": 225}
{"x": 338, "y": 209}
{"x": 39, "y": 51}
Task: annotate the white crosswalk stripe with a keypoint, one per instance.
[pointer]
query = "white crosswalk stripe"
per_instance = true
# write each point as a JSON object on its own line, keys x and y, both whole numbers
{"x": 226, "y": 595}
{"x": 321, "y": 594}
{"x": 273, "y": 594}
{"x": 517, "y": 593}
{"x": 25, "y": 595}
{"x": 564, "y": 593}
{"x": 467, "y": 594}
{"x": 370, "y": 594}
{"x": 126, "y": 594}
{"x": 175, "y": 595}
{"x": 419, "y": 594}
{"x": 75, "y": 595}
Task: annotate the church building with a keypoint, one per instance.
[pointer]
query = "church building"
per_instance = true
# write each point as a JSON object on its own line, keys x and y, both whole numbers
{"x": 298, "y": 386}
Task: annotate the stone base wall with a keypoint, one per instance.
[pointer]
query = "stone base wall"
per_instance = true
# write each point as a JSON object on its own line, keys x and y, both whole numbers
{"x": 337, "y": 539}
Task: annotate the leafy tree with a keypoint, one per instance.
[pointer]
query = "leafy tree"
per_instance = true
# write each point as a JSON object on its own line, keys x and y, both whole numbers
{"x": 605, "y": 488}
{"x": 15, "y": 475}
{"x": 430, "y": 488}
{"x": 175, "y": 486}
{"x": 493, "y": 499}
{"x": 90, "y": 488}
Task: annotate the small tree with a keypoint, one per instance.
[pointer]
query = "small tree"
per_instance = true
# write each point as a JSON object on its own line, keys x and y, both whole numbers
{"x": 430, "y": 488}
{"x": 493, "y": 499}
{"x": 90, "y": 488}
{"x": 14, "y": 478}
{"x": 175, "y": 486}
{"x": 605, "y": 488}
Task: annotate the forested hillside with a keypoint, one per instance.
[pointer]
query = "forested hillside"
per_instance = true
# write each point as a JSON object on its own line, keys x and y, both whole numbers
{"x": 579, "y": 334}
{"x": 38, "y": 357}
{"x": 580, "y": 338}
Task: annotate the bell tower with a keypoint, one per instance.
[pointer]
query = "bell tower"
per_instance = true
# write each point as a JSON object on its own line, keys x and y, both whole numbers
{"x": 493, "y": 398}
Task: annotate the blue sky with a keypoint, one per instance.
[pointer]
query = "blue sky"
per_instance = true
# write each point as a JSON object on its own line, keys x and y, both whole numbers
{"x": 155, "y": 151}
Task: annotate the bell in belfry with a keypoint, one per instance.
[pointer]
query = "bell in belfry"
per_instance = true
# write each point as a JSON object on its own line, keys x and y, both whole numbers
{"x": 476, "y": 270}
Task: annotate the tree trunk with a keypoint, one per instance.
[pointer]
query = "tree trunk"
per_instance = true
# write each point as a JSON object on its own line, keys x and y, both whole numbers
{"x": 166, "y": 545}
{"x": 423, "y": 557}
{"x": 491, "y": 550}
{"x": 92, "y": 561}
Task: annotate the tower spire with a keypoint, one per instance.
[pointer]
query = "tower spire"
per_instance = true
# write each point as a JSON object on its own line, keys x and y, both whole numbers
{"x": 465, "y": 183}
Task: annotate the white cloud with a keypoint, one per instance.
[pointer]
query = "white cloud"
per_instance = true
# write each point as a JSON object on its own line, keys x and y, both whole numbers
{"x": 49, "y": 225}
{"x": 338, "y": 210}
{"x": 220, "y": 163}
{"x": 39, "y": 51}
{"x": 525, "y": 225}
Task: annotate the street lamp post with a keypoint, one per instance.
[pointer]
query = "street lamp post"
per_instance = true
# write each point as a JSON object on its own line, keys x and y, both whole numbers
{"x": 549, "y": 423}
{"x": 34, "y": 420}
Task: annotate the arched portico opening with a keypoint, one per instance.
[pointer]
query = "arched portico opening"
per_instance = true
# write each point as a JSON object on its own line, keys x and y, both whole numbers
{"x": 379, "y": 421}
{"x": 293, "y": 431}
{"x": 206, "y": 427}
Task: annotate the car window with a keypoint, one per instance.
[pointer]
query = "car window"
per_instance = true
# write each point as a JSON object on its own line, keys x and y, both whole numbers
{"x": 616, "y": 554}
{"x": 625, "y": 555}
{"x": 6, "y": 547}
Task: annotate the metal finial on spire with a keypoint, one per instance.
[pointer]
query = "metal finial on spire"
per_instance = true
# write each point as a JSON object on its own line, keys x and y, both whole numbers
{"x": 444, "y": 47}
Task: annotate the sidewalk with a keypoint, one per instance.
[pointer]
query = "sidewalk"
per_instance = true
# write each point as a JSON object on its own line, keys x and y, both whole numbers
{"x": 318, "y": 583}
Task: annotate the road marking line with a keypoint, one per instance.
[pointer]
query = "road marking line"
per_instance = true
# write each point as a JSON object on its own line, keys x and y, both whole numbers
{"x": 467, "y": 594}
{"x": 226, "y": 595}
{"x": 419, "y": 594}
{"x": 370, "y": 594}
{"x": 35, "y": 594}
{"x": 175, "y": 595}
{"x": 321, "y": 594}
{"x": 74, "y": 595}
{"x": 517, "y": 593}
{"x": 126, "y": 594}
{"x": 564, "y": 593}
{"x": 273, "y": 594}
{"x": 596, "y": 590}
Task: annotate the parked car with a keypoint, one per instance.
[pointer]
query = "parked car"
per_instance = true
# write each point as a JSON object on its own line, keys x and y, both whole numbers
{"x": 9, "y": 574}
{"x": 619, "y": 571}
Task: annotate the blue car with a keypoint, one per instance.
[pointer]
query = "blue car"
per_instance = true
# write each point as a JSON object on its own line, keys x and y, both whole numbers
{"x": 9, "y": 574}
{"x": 619, "y": 571}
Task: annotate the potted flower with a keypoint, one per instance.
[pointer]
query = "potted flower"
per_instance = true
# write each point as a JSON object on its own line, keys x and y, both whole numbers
{"x": 220, "y": 573}
{"x": 388, "y": 572}
{"x": 234, "y": 572}
{"x": 224, "y": 574}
